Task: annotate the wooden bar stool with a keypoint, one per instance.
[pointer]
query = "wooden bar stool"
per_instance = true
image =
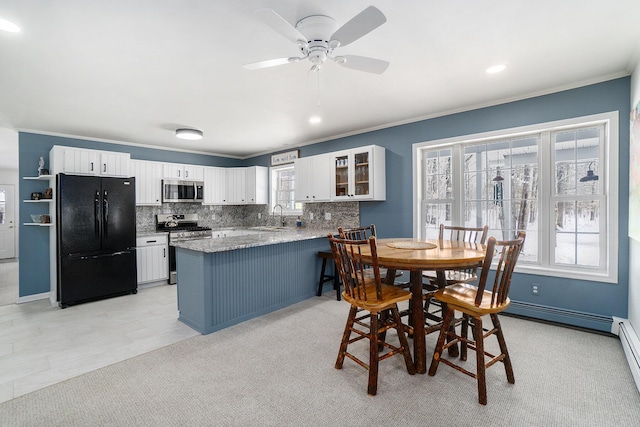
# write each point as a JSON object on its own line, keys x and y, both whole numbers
{"x": 324, "y": 277}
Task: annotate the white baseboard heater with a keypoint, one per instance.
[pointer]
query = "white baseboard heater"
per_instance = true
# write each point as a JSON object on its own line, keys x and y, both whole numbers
{"x": 630, "y": 344}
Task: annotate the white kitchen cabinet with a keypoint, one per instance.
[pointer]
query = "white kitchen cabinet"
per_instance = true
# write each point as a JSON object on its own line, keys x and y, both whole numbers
{"x": 215, "y": 179}
{"x": 80, "y": 161}
{"x": 152, "y": 257}
{"x": 186, "y": 172}
{"x": 235, "y": 186}
{"x": 148, "y": 182}
{"x": 313, "y": 178}
{"x": 245, "y": 186}
{"x": 257, "y": 185}
{"x": 358, "y": 174}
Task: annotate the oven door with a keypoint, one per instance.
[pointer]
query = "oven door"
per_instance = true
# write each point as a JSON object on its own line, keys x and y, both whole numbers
{"x": 174, "y": 191}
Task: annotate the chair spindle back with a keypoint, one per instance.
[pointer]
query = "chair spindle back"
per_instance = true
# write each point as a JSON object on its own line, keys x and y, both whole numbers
{"x": 465, "y": 234}
{"x": 359, "y": 233}
{"x": 509, "y": 252}
{"x": 346, "y": 254}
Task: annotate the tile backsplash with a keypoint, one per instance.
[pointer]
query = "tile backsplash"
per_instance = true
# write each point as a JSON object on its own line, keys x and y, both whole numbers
{"x": 343, "y": 214}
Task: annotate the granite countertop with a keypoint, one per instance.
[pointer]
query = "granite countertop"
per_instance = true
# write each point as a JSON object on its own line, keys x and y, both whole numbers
{"x": 149, "y": 233}
{"x": 250, "y": 240}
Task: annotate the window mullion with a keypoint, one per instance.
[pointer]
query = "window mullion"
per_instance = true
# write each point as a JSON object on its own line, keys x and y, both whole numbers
{"x": 546, "y": 237}
{"x": 457, "y": 174}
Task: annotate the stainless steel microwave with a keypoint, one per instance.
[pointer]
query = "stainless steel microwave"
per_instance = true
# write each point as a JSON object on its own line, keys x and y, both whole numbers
{"x": 175, "y": 191}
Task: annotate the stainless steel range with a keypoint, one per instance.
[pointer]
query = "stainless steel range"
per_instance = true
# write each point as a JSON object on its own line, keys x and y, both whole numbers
{"x": 180, "y": 227}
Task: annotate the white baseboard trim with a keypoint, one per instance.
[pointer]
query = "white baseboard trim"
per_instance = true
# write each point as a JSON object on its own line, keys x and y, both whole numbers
{"x": 630, "y": 344}
{"x": 35, "y": 297}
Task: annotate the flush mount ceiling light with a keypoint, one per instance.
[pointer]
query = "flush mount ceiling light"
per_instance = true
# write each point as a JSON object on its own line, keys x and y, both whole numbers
{"x": 192, "y": 134}
{"x": 496, "y": 69}
{"x": 314, "y": 120}
{"x": 8, "y": 26}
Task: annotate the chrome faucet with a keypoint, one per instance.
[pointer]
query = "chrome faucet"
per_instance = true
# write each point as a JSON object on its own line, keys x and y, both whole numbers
{"x": 281, "y": 217}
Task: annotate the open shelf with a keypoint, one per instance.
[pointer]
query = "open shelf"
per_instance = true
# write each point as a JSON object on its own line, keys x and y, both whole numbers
{"x": 39, "y": 178}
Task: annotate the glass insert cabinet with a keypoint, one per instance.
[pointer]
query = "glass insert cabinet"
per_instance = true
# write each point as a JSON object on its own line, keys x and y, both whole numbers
{"x": 359, "y": 174}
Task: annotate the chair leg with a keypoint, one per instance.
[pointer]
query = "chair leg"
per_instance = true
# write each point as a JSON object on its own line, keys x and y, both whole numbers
{"x": 411, "y": 368}
{"x": 373, "y": 355}
{"x": 336, "y": 282}
{"x": 503, "y": 349}
{"x": 444, "y": 332}
{"x": 481, "y": 368}
{"x": 322, "y": 271}
{"x": 464, "y": 332}
{"x": 345, "y": 337}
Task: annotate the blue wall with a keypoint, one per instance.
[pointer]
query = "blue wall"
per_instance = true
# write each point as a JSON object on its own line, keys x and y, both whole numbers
{"x": 34, "y": 241}
{"x": 579, "y": 299}
{"x": 394, "y": 217}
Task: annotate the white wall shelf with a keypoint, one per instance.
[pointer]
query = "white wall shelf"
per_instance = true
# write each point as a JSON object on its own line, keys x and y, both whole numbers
{"x": 39, "y": 178}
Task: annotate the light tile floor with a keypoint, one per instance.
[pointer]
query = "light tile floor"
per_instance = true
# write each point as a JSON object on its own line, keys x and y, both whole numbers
{"x": 8, "y": 281}
{"x": 42, "y": 345}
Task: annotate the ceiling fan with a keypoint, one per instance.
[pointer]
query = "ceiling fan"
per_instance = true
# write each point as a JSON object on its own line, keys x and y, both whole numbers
{"x": 318, "y": 36}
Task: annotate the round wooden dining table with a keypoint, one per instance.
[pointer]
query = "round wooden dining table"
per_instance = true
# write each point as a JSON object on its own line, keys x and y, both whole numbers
{"x": 417, "y": 256}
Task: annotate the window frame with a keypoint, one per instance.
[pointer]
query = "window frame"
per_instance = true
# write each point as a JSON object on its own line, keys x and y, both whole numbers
{"x": 273, "y": 170}
{"x": 609, "y": 176}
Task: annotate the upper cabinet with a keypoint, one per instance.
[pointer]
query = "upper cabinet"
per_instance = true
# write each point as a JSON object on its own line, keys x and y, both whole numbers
{"x": 82, "y": 161}
{"x": 178, "y": 171}
{"x": 245, "y": 186}
{"x": 148, "y": 182}
{"x": 358, "y": 174}
{"x": 215, "y": 179}
{"x": 313, "y": 178}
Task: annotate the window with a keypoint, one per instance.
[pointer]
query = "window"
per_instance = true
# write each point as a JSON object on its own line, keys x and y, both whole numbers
{"x": 556, "y": 181}
{"x": 282, "y": 190}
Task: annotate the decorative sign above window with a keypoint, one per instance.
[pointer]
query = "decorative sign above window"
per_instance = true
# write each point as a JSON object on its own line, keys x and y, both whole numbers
{"x": 284, "y": 158}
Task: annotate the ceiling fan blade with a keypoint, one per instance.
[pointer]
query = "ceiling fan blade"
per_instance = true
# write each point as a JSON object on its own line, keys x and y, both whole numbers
{"x": 361, "y": 24}
{"x": 363, "y": 63}
{"x": 269, "y": 63}
{"x": 279, "y": 24}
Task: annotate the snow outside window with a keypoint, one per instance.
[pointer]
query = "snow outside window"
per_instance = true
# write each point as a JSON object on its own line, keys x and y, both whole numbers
{"x": 556, "y": 181}
{"x": 283, "y": 180}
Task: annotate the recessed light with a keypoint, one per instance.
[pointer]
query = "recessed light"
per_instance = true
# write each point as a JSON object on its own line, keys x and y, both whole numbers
{"x": 192, "y": 134}
{"x": 314, "y": 120}
{"x": 8, "y": 26}
{"x": 496, "y": 68}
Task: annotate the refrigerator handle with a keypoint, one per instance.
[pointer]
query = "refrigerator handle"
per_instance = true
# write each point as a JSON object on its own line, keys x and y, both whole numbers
{"x": 96, "y": 214}
{"x": 105, "y": 214}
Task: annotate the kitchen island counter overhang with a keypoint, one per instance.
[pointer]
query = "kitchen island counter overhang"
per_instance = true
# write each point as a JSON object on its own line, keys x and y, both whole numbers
{"x": 223, "y": 282}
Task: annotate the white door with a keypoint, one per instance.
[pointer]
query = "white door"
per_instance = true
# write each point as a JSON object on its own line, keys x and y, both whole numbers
{"x": 7, "y": 223}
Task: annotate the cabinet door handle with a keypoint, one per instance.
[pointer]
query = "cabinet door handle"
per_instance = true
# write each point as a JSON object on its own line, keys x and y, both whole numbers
{"x": 164, "y": 252}
{"x": 104, "y": 167}
{"x": 151, "y": 241}
{"x": 91, "y": 166}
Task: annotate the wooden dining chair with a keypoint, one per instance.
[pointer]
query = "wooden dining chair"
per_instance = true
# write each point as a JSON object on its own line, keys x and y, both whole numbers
{"x": 368, "y": 297}
{"x": 433, "y": 317}
{"x": 357, "y": 233}
{"x": 460, "y": 234}
{"x": 475, "y": 302}
{"x": 363, "y": 233}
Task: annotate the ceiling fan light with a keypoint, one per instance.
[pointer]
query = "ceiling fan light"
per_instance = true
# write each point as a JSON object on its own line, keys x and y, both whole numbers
{"x": 191, "y": 134}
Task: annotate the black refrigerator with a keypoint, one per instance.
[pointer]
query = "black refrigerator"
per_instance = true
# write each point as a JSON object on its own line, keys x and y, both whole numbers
{"x": 96, "y": 230}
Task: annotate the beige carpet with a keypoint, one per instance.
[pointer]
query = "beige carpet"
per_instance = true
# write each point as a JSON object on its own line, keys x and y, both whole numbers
{"x": 278, "y": 370}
